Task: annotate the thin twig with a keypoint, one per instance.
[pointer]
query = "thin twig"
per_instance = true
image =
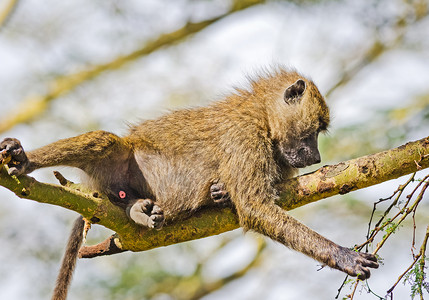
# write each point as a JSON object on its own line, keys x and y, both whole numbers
{"x": 354, "y": 289}
{"x": 421, "y": 253}
{"x": 399, "y": 190}
{"x": 341, "y": 287}
{"x": 405, "y": 213}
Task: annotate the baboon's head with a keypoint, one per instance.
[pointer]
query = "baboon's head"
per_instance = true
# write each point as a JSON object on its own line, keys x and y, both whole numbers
{"x": 296, "y": 116}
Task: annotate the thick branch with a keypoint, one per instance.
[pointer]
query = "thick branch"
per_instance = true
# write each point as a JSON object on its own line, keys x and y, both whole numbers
{"x": 35, "y": 105}
{"x": 325, "y": 182}
{"x": 355, "y": 174}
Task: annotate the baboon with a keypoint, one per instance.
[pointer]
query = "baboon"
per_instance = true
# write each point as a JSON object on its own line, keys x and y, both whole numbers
{"x": 240, "y": 146}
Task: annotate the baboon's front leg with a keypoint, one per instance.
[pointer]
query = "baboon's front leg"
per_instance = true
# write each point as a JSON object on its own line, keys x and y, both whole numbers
{"x": 269, "y": 219}
{"x": 81, "y": 151}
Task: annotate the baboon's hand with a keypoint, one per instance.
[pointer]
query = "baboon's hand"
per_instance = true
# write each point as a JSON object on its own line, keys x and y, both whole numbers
{"x": 355, "y": 263}
{"x": 12, "y": 148}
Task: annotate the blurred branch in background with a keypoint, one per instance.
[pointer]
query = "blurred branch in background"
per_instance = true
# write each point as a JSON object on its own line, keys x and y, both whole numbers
{"x": 6, "y": 11}
{"x": 195, "y": 286}
{"x": 415, "y": 12}
{"x": 33, "y": 106}
{"x": 389, "y": 126}
{"x": 149, "y": 280}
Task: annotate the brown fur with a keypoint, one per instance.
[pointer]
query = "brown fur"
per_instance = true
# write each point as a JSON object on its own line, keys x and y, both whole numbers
{"x": 243, "y": 142}
{"x": 69, "y": 260}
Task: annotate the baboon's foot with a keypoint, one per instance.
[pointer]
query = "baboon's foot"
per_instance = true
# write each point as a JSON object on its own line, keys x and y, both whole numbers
{"x": 147, "y": 213}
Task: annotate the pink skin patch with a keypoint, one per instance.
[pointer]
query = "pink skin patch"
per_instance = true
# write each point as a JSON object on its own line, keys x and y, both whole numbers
{"x": 122, "y": 194}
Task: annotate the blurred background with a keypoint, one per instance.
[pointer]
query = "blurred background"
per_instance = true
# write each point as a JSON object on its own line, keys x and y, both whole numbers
{"x": 67, "y": 67}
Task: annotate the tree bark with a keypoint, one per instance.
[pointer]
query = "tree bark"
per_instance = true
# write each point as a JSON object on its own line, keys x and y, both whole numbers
{"x": 325, "y": 182}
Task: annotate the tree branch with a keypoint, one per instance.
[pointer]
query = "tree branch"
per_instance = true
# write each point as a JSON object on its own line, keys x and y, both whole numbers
{"x": 327, "y": 181}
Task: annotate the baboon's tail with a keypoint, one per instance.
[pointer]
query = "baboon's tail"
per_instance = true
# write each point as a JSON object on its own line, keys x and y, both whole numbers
{"x": 69, "y": 260}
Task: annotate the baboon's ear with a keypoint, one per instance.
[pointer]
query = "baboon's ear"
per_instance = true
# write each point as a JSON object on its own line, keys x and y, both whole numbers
{"x": 294, "y": 92}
